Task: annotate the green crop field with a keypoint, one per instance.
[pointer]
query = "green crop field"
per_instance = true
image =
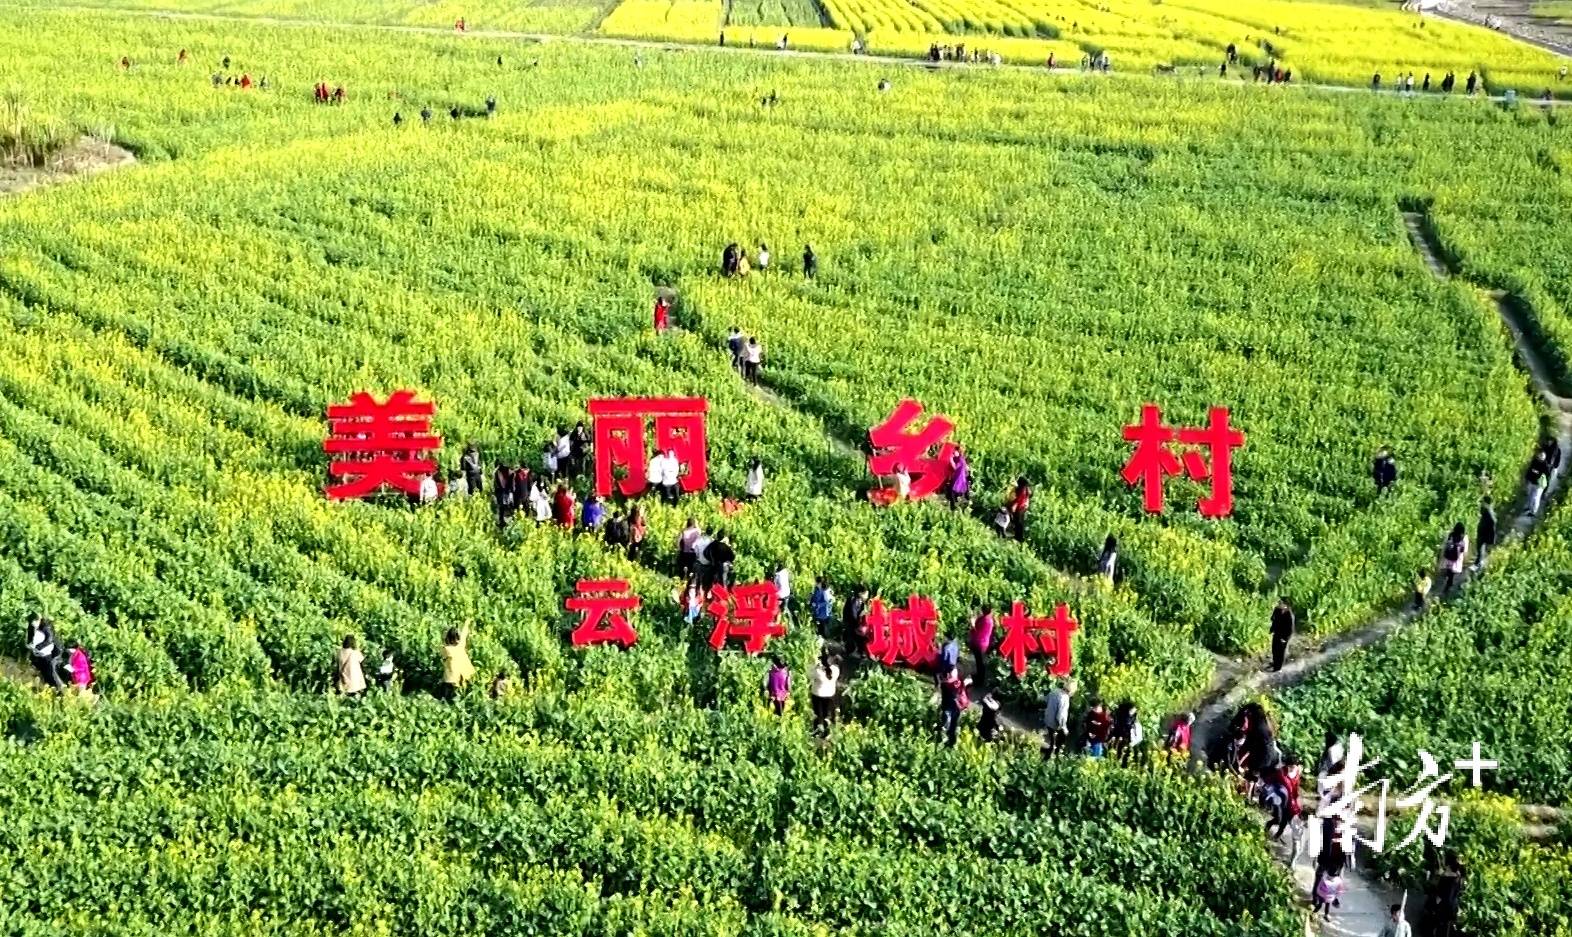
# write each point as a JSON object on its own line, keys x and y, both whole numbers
{"x": 1033, "y": 255}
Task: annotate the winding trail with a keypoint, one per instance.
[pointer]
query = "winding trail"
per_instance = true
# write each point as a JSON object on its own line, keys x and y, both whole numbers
{"x": 1364, "y": 906}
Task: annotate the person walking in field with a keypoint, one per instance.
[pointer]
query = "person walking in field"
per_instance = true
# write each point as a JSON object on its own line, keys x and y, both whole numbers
{"x": 662, "y": 315}
{"x": 777, "y": 685}
{"x": 959, "y": 484}
{"x": 1453, "y": 549}
{"x": 654, "y": 471}
{"x": 735, "y": 342}
{"x": 821, "y": 604}
{"x": 44, "y": 652}
{"x": 502, "y": 494}
{"x": 1056, "y": 717}
{"x": 953, "y": 700}
{"x": 1383, "y": 471}
{"x": 638, "y": 529}
{"x": 1473, "y": 84}
{"x": 670, "y": 477}
{"x": 1395, "y": 925}
{"x": 687, "y": 542}
{"x": 1422, "y": 583}
{"x": 1536, "y": 481}
{"x": 764, "y": 257}
{"x": 782, "y": 582}
{"x": 988, "y": 725}
{"x": 1108, "y": 560}
{"x": 1098, "y": 728}
{"x": 1550, "y": 449}
{"x": 1484, "y": 533}
{"x": 469, "y": 464}
{"x": 351, "y": 676}
{"x": 822, "y": 688}
{"x": 1375, "y": 82}
{"x": 457, "y": 670}
{"x": 810, "y": 262}
{"x": 753, "y": 484}
{"x": 1177, "y": 743}
{"x": 81, "y": 670}
{"x": 753, "y": 360}
{"x": 1282, "y": 631}
{"x": 564, "y": 505}
{"x": 853, "y": 620}
{"x": 1019, "y": 502}
{"x": 980, "y": 642}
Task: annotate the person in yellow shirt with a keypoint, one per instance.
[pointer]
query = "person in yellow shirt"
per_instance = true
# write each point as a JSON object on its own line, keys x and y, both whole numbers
{"x": 456, "y": 667}
{"x": 351, "y": 675}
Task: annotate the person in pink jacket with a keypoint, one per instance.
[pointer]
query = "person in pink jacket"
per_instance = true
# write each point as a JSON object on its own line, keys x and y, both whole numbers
{"x": 81, "y": 669}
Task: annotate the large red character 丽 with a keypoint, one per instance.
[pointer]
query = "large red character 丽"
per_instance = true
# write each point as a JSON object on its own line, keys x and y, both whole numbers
{"x": 376, "y": 443}
{"x": 1025, "y": 636}
{"x": 909, "y": 635}
{"x": 1152, "y": 460}
{"x": 619, "y": 441}
{"x": 925, "y": 454}
{"x": 747, "y": 613}
{"x": 604, "y": 605}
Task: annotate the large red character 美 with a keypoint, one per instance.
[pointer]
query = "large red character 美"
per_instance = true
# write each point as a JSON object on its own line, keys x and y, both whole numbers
{"x": 619, "y": 441}
{"x": 604, "y": 605}
{"x": 908, "y": 635}
{"x": 390, "y": 440}
{"x": 1025, "y": 636}
{"x": 747, "y": 613}
{"x": 925, "y": 454}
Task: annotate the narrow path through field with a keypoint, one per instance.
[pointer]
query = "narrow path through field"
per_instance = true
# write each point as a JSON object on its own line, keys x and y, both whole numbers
{"x": 884, "y": 60}
{"x": 1363, "y": 910}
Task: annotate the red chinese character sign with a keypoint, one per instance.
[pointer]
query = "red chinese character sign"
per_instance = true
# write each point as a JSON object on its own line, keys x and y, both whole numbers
{"x": 904, "y": 635}
{"x": 1152, "y": 459}
{"x": 924, "y": 453}
{"x": 1025, "y": 636}
{"x": 747, "y": 613}
{"x": 375, "y": 443}
{"x": 620, "y": 443}
{"x": 604, "y": 605}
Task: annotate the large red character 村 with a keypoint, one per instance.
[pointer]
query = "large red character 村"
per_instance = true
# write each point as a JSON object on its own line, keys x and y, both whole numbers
{"x": 619, "y": 441}
{"x": 747, "y": 613}
{"x": 1220, "y": 440}
{"x": 604, "y": 605}
{"x": 908, "y": 635}
{"x": 1151, "y": 462}
{"x": 1026, "y": 636}
{"x": 925, "y": 454}
{"x": 391, "y": 441}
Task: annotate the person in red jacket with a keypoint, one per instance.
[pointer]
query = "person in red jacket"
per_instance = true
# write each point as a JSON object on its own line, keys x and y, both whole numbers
{"x": 1099, "y": 725}
{"x": 1021, "y": 500}
{"x": 662, "y": 314}
{"x": 563, "y": 507}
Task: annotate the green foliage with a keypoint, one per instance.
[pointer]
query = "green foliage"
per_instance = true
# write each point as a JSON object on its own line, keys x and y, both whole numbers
{"x": 538, "y": 814}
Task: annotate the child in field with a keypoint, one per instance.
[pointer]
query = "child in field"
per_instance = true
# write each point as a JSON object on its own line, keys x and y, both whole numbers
{"x": 81, "y": 669}
{"x": 1296, "y": 833}
{"x": 777, "y": 685}
{"x": 1328, "y": 895}
{"x": 1422, "y": 584}
{"x": 662, "y": 315}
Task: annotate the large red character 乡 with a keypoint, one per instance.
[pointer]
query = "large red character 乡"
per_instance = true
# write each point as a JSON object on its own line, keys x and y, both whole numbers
{"x": 924, "y": 453}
